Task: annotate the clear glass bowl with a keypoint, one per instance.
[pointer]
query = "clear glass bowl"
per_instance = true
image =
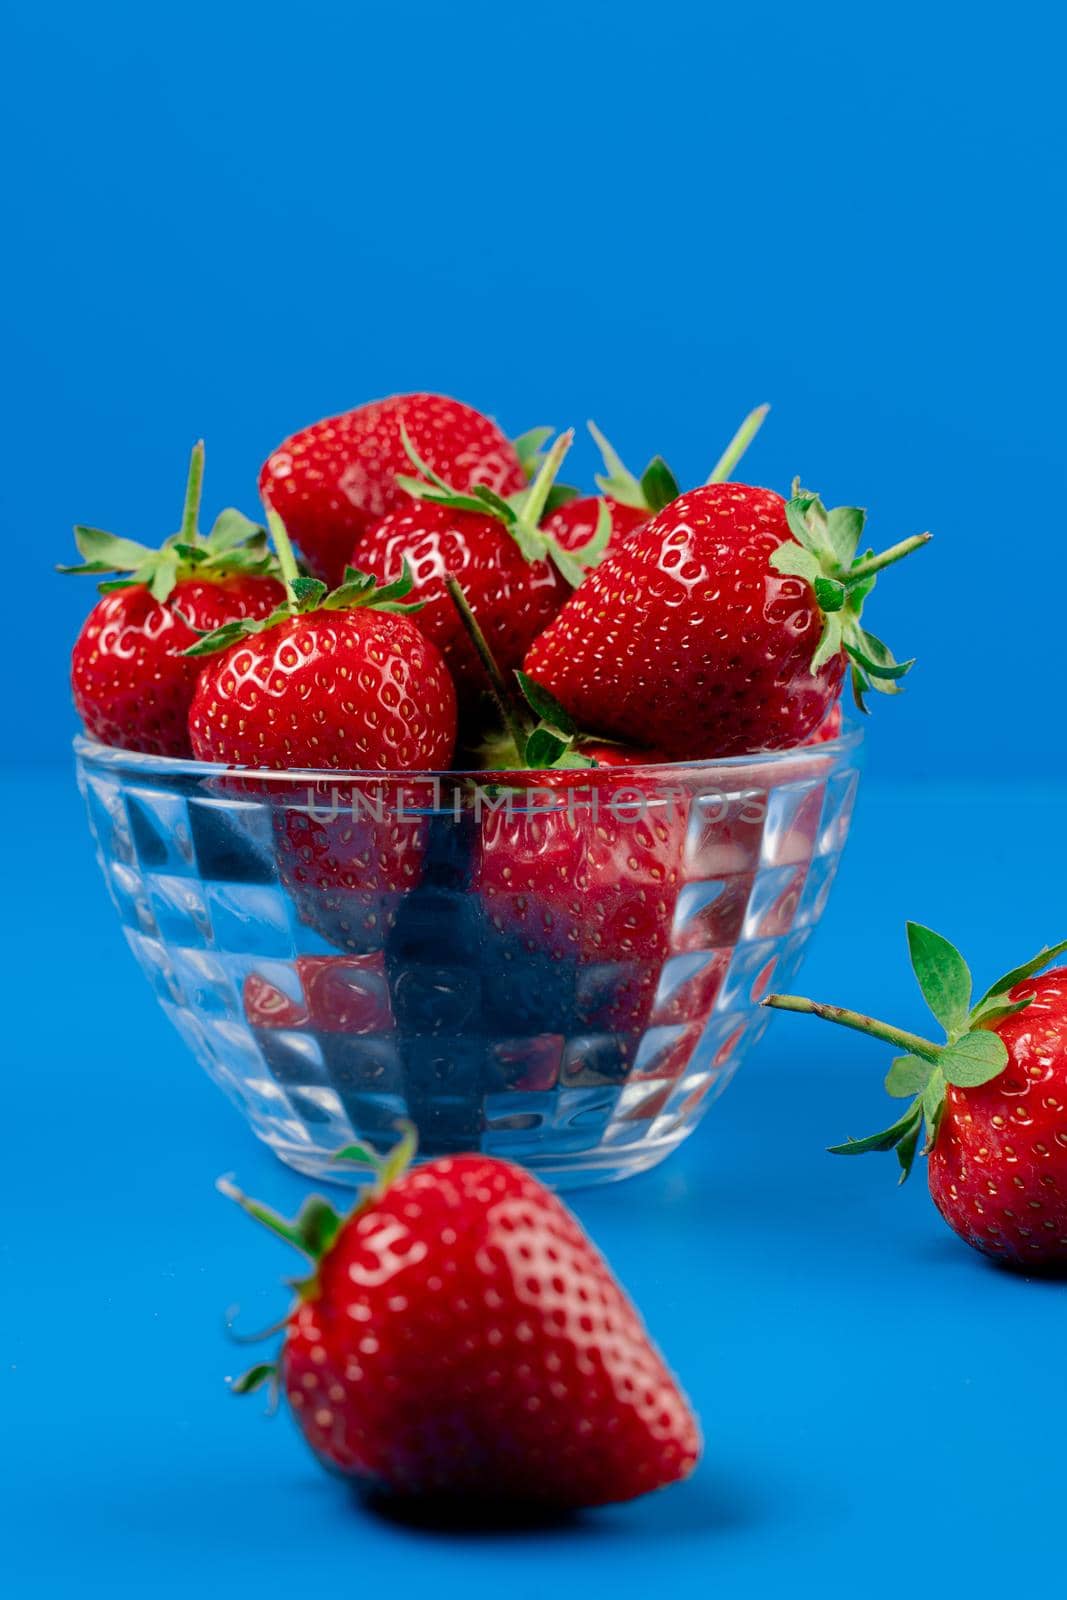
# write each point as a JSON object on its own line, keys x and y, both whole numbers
{"x": 566, "y": 975}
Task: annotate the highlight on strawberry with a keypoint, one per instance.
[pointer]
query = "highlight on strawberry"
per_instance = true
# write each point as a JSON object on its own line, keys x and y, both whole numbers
{"x": 989, "y": 1104}
{"x": 457, "y": 1334}
{"x": 725, "y": 627}
{"x": 131, "y": 680}
{"x": 330, "y": 679}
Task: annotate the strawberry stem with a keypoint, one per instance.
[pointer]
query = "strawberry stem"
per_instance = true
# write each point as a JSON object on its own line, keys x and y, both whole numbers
{"x": 896, "y": 552}
{"x": 286, "y": 559}
{"x": 501, "y": 690}
{"x": 193, "y": 483}
{"x": 740, "y": 442}
{"x": 536, "y": 497}
{"x": 925, "y": 1049}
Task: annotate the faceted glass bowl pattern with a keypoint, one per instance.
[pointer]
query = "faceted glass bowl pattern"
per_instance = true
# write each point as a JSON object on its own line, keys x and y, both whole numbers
{"x": 566, "y": 976}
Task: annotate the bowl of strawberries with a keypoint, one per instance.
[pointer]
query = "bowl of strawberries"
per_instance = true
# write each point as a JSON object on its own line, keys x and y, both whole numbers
{"x": 496, "y": 810}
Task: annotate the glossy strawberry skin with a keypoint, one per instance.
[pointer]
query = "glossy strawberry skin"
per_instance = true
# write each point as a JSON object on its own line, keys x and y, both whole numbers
{"x": 132, "y": 685}
{"x": 513, "y": 599}
{"x": 998, "y": 1169}
{"x": 331, "y": 482}
{"x": 466, "y": 1338}
{"x": 687, "y": 639}
{"x": 359, "y": 689}
{"x": 575, "y": 523}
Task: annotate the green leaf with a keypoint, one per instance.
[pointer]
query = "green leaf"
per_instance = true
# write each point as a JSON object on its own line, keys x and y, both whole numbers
{"x": 543, "y": 748}
{"x": 906, "y": 1148}
{"x": 117, "y": 555}
{"x": 232, "y": 529}
{"x": 806, "y": 516}
{"x": 421, "y": 466}
{"x": 991, "y": 1011}
{"x": 874, "y": 657}
{"x": 1006, "y": 984}
{"x": 908, "y": 1076}
{"x": 888, "y": 1139}
{"x": 560, "y": 494}
{"x": 529, "y": 447}
{"x": 309, "y": 592}
{"x": 493, "y": 503}
{"x": 255, "y": 1378}
{"x": 359, "y": 1154}
{"x": 658, "y": 484}
{"x": 974, "y": 1059}
{"x": 829, "y": 644}
{"x": 793, "y": 561}
{"x": 830, "y": 594}
{"x": 164, "y": 574}
{"x": 317, "y": 1225}
{"x": 933, "y": 1107}
{"x": 844, "y": 527}
{"x": 618, "y": 481}
{"x": 546, "y": 706}
{"x": 228, "y": 634}
{"x": 943, "y": 975}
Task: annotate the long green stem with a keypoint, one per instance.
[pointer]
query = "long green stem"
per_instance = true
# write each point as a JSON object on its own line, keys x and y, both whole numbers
{"x": 286, "y": 559}
{"x": 501, "y": 692}
{"x": 925, "y": 1049}
{"x": 534, "y": 503}
{"x": 740, "y": 442}
{"x": 896, "y": 552}
{"x": 193, "y": 483}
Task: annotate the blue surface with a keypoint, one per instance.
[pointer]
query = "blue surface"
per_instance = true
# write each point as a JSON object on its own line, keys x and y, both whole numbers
{"x": 229, "y": 220}
{"x": 874, "y": 1395}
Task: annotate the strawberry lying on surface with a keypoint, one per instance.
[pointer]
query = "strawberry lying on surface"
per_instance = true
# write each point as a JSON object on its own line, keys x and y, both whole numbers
{"x": 332, "y": 481}
{"x": 992, "y": 1100}
{"x": 328, "y": 680}
{"x": 459, "y": 1335}
{"x": 132, "y": 683}
{"x": 513, "y": 574}
{"x": 724, "y": 627}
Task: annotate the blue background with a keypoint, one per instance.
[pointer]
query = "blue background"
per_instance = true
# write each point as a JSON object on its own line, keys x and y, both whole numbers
{"x": 229, "y": 220}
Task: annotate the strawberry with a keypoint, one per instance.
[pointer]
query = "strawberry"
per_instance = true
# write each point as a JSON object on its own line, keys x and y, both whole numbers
{"x": 329, "y": 680}
{"x": 332, "y": 481}
{"x": 460, "y": 1336}
{"x": 513, "y": 574}
{"x": 132, "y": 683}
{"x": 992, "y": 1100}
{"x": 722, "y": 628}
{"x": 632, "y": 501}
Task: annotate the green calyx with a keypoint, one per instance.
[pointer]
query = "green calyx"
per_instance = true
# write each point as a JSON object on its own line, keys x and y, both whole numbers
{"x": 530, "y": 449}
{"x": 521, "y": 515}
{"x": 315, "y": 1228}
{"x": 657, "y": 486}
{"x": 357, "y": 589}
{"x": 235, "y": 545}
{"x": 825, "y": 555}
{"x": 972, "y": 1053}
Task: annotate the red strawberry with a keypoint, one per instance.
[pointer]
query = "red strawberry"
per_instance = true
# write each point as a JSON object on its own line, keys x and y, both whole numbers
{"x": 830, "y": 727}
{"x": 579, "y": 879}
{"x": 348, "y": 858}
{"x": 331, "y": 482}
{"x": 993, "y": 1100}
{"x": 341, "y": 994}
{"x": 330, "y": 681}
{"x": 461, "y": 1336}
{"x": 132, "y": 684}
{"x": 632, "y": 501}
{"x": 513, "y": 575}
{"x": 724, "y": 627}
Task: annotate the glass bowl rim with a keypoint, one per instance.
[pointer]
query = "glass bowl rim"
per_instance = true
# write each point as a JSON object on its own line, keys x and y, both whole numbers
{"x": 131, "y": 762}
